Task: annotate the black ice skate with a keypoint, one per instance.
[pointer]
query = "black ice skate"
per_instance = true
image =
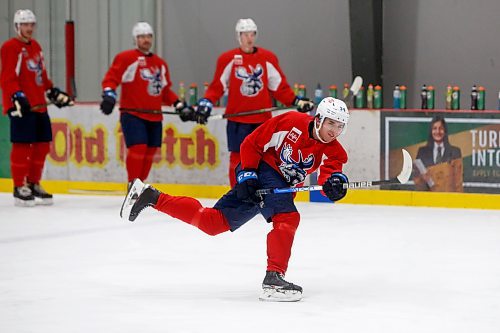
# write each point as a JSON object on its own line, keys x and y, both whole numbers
{"x": 23, "y": 197}
{"x": 139, "y": 197}
{"x": 276, "y": 288}
{"x": 41, "y": 196}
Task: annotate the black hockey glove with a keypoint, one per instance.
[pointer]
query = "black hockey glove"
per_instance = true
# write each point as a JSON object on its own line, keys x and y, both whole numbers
{"x": 186, "y": 112}
{"x": 59, "y": 98}
{"x": 108, "y": 101}
{"x": 21, "y": 105}
{"x": 303, "y": 104}
{"x": 334, "y": 186}
{"x": 203, "y": 111}
{"x": 247, "y": 186}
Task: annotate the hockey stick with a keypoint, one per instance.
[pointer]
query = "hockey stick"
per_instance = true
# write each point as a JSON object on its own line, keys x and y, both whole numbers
{"x": 248, "y": 113}
{"x": 39, "y": 106}
{"x": 402, "y": 178}
{"x": 149, "y": 111}
{"x": 353, "y": 91}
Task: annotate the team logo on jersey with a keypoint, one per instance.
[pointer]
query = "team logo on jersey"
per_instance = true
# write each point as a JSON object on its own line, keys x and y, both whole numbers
{"x": 238, "y": 59}
{"x": 294, "y": 171}
{"x": 294, "y": 135}
{"x": 251, "y": 83}
{"x": 154, "y": 77}
{"x": 36, "y": 65}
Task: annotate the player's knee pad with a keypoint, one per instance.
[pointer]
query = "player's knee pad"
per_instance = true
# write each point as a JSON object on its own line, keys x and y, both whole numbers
{"x": 287, "y": 222}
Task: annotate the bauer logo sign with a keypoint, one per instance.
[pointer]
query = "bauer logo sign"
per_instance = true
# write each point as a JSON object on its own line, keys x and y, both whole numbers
{"x": 452, "y": 152}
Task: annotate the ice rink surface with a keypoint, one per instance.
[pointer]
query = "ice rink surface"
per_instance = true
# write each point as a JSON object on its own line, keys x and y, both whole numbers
{"x": 77, "y": 267}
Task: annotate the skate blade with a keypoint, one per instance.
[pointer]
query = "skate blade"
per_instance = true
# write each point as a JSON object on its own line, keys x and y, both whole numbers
{"x": 24, "y": 203}
{"x": 44, "y": 202}
{"x": 280, "y": 295}
{"x": 131, "y": 197}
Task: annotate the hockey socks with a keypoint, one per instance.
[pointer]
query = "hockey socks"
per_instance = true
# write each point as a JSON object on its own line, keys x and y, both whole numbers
{"x": 234, "y": 160}
{"x": 148, "y": 162}
{"x": 280, "y": 240}
{"x": 135, "y": 157}
{"x": 38, "y": 153}
{"x": 209, "y": 220}
{"x": 19, "y": 162}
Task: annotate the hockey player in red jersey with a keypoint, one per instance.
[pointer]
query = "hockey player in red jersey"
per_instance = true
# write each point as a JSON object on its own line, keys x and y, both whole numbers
{"x": 25, "y": 87}
{"x": 253, "y": 77}
{"x": 280, "y": 153}
{"x": 146, "y": 85}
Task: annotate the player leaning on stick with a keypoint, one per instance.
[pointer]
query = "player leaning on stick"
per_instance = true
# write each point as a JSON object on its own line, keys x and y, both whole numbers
{"x": 253, "y": 77}
{"x": 146, "y": 85}
{"x": 25, "y": 87}
{"x": 279, "y": 153}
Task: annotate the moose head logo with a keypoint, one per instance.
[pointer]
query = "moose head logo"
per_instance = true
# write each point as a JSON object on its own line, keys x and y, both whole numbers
{"x": 294, "y": 171}
{"x": 36, "y": 65}
{"x": 155, "y": 78}
{"x": 251, "y": 83}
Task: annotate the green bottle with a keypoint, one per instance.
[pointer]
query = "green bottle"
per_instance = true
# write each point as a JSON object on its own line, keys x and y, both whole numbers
{"x": 193, "y": 94}
{"x": 449, "y": 91}
{"x": 332, "y": 91}
{"x": 455, "y": 98}
{"x": 302, "y": 91}
{"x": 404, "y": 95}
{"x": 377, "y": 97}
{"x": 481, "y": 98}
{"x": 360, "y": 98}
{"x": 430, "y": 97}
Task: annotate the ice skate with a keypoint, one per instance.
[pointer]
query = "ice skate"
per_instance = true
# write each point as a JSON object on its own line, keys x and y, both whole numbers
{"x": 139, "y": 197}
{"x": 23, "y": 197}
{"x": 276, "y": 289}
{"x": 41, "y": 196}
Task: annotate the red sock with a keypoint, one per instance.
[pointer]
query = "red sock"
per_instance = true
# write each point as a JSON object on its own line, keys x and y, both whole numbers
{"x": 280, "y": 240}
{"x": 19, "y": 162}
{"x": 148, "y": 162}
{"x": 190, "y": 210}
{"x": 134, "y": 160}
{"x": 234, "y": 160}
{"x": 39, "y": 151}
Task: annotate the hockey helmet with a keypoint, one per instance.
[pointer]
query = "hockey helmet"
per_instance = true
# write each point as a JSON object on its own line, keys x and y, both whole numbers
{"x": 245, "y": 25}
{"x": 23, "y": 16}
{"x": 141, "y": 28}
{"x": 334, "y": 109}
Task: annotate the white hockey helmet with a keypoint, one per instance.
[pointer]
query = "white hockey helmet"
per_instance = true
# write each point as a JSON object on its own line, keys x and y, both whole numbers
{"x": 245, "y": 25}
{"x": 334, "y": 109}
{"x": 23, "y": 16}
{"x": 141, "y": 28}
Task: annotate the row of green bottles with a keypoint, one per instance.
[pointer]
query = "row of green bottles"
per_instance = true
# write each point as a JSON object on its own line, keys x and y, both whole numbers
{"x": 192, "y": 98}
{"x": 371, "y": 99}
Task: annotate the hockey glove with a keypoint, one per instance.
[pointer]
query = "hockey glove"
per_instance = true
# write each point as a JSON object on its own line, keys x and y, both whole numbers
{"x": 247, "y": 186}
{"x": 186, "y": 112}
{"x": 108, "y": 101}
{"x": 21, "y": 105}
{"x": 303, "y": 104}
{"x": 334, "y": 186}
{"x": 59, "y": 98}
{"x": 203, "y": 111}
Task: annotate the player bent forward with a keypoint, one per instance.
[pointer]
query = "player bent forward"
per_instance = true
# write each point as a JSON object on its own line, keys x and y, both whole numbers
{"x": 279, "y": 153}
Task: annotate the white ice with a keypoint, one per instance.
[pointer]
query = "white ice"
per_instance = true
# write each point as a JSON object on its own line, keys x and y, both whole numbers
{"x": 77, "y": 267}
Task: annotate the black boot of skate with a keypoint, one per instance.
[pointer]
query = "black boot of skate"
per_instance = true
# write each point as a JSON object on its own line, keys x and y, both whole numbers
{"x": 139, "y": 197}
{"x": 41, "y": 196}
{"x": 276, "y": 288}
{"x": 23, "y": 197}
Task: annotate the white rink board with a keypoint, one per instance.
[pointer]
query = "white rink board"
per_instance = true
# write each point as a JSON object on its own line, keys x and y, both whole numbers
{"x": 88, "y": 146}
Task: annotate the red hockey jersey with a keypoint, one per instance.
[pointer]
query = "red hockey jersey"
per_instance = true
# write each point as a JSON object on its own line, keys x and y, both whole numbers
{"x": 254, "y": 80}
{"x": 145, "y": 81}
{"x": 23, "y": 69}
{"x": 284, "y": 142}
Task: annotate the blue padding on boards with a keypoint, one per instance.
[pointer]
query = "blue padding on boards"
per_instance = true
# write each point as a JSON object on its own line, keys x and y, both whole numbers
{"x": 316, "y": 196}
